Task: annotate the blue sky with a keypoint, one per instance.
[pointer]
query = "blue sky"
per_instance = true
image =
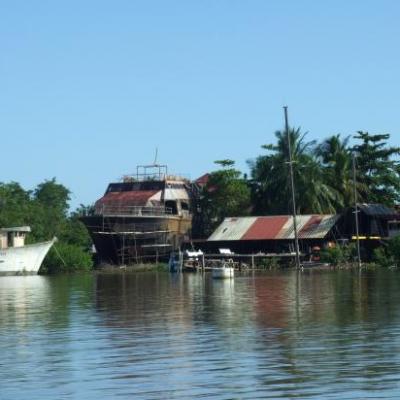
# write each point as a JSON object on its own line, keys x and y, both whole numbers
{"x": 89, "y": 89}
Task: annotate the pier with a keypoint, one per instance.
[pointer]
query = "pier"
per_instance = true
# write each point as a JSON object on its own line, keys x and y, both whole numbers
{"x": 206, "y": 262}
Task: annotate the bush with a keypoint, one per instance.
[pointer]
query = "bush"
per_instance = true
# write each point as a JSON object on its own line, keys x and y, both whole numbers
{"x": 332, "y": 255}
{"x": 338, "y": 254}
{"x": 389, "y": 255}
{"x": 269, "y": 263}
{"x": 393, "y": 250}
{"x": 381, "y": 258}
{"x": 65, "y": 257}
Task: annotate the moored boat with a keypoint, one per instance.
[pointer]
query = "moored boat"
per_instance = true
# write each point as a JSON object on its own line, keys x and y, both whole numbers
{"x": 223, "y": 271}
{"x": 18, "y": 258}
{"x": 143, "y": 218}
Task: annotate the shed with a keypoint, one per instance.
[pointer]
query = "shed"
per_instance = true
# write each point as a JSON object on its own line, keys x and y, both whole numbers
{"x": 272, "y": 233}
{"x": 376, "y": 222}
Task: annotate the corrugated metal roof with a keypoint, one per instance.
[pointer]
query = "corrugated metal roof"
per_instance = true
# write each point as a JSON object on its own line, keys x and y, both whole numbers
{"x": 377, "y": 210}
{"x": 287, "y": 232}
{"x": 265, "y": 228}
{"x": 274, "y": 227}
{"x": 203, "y": 180}
{"x": 232, "y": 228}
{"x": 318, "y": 226}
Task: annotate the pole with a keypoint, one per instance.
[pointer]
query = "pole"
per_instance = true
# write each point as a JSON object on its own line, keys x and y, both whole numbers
{"x": 356, "y": 210}
{"x": 123, "y": 250}
{"x": 296, "y": 239}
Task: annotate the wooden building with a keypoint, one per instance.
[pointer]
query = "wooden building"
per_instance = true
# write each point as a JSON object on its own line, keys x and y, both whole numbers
{"x": 272, "y": 234}
{"x": 275, "y": 234}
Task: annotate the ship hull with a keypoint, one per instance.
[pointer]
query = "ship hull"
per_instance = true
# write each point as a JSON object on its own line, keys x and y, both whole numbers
{"x": 126, "y": 240}
{"x": 24, "y": 260}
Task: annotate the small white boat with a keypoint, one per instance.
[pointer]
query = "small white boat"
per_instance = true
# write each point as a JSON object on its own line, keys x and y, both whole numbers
{"x": 17, "y": 258}
{"x": 225, "y": 270}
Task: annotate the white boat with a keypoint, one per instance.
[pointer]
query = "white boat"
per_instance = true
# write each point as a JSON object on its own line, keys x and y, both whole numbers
{"x": 17, "y": 258}
{"x": 225, "y": 270}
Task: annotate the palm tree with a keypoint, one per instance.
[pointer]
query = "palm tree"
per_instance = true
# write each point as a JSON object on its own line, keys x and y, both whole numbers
{"x": 270, "y": 183}
{"x": 335, "y": 157}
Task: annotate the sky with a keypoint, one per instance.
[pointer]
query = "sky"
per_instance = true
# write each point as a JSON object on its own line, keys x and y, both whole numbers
{"x": 90, "y": 89}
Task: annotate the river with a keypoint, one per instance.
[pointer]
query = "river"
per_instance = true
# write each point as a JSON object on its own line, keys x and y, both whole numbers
{"x": 152, "y": 335}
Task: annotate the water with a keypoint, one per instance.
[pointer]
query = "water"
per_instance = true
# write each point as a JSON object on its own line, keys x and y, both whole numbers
{"x": 330, "y": 335}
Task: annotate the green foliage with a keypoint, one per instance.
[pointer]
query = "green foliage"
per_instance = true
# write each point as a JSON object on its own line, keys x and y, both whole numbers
{"x": 335, "y": 158}
{"x": 51, "y": 205}
{"x": 393, "y": 249}
{"x": 64, "y": 257}
{"x": 323, "y": 174}
{"x": 53, "y": 195}
{"x": 389, "y": 255}
{"x": 83, "y": 211}
{"x": 15, "y": 205}
{"x": 381, "y": 257}
{"x": 269, "y": 263}
{"x": 225, "y": 163}
{"x": 339, "y": 254}
{"x": 45, "y": 210}
{"x": 332, "y": 255}
{"x": 377, "y": 169}
{"x": 225, "y": 195}
{"x": 271, "y": 190}
{"x": 74, "y": 232}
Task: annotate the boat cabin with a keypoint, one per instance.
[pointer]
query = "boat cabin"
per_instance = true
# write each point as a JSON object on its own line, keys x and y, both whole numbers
{"x": 13, "y": 237}
{"x": 151, "y": 192}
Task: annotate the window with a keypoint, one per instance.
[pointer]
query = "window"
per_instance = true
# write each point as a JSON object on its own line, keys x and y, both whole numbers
{"x": 171, "y": 206}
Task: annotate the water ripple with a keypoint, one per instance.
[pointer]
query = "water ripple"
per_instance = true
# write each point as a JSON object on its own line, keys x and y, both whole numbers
{"x": 330, "y": 335}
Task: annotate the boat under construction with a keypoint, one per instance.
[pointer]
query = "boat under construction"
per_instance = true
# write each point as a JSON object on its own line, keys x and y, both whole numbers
{"x": 142, "y": 218}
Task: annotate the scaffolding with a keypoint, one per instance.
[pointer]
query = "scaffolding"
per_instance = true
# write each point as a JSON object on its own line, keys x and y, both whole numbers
{"x": 136, "y": 242}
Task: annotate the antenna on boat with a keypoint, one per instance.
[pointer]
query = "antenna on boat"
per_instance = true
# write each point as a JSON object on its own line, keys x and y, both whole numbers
{"x": 155, "y": 157}
{"x": 356, "y": 209}
{"x": 290, "y": 162}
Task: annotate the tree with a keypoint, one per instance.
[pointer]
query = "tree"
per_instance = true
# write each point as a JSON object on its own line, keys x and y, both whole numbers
{"x": 15, "y": 205}
{"x": 271, "y": 190}
{"x": 51, "y": 201}
{"x": 83, "y": 211}
{"x": 45, "y": 210}
{"x": 377, "y": 169}
{"x": 226, "y": 194}
{"x": 335, "y": 157}
{"x": 54, "y": 195}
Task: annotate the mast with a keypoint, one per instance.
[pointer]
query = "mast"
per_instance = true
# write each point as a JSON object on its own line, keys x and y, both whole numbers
{"x": 290, "y": 162}
{"x": 356, "y": 209}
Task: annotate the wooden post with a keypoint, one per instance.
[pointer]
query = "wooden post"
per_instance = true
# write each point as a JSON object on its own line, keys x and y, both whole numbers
{"x": 180, "y": 260}
{"x": 123, "y": 249}
{"x": 252, "y": 261}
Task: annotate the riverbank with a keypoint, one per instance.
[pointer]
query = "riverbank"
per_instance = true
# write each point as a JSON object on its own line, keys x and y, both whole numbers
{"x": 107, "y": 268}
{"x": 163, "y": 267}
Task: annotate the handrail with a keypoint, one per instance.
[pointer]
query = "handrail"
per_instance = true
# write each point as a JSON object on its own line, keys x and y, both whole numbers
{"x": 148, "y": 177}
{"x": 133, "y": 210}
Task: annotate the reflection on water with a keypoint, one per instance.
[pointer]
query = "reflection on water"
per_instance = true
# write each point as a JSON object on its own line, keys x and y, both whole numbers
{"x": 157, "y": 336}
